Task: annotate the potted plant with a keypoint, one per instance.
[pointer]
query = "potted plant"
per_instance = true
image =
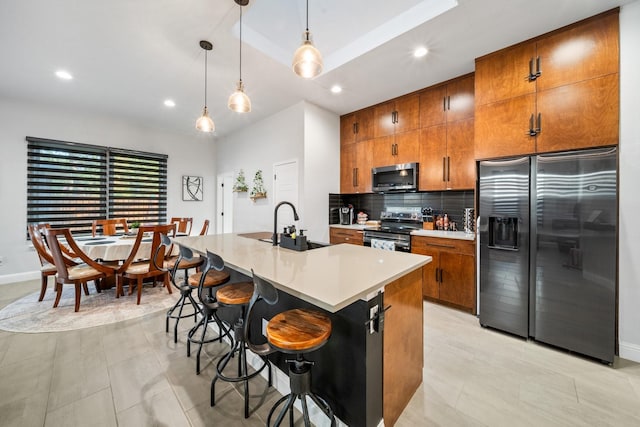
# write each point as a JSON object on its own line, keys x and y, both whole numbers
{"x": 133, "y": 228}
{"x": 241, "y": 185}
{"x": 258, "y": 191}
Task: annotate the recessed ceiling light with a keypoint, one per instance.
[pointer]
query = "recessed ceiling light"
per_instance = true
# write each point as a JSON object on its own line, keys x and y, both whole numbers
{"x": 169, "y": 103}
{"x": 336, "y": 89}
{"x": 64, "y": 75}
{"x": 420, "y": 52}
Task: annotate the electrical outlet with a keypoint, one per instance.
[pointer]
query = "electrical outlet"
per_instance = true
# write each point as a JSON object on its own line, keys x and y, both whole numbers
{"x": 373, "y": 312}
{"x": 264, "y": 327}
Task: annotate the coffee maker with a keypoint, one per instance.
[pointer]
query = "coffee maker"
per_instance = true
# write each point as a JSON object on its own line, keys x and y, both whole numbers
{"x": 346, "y": 215}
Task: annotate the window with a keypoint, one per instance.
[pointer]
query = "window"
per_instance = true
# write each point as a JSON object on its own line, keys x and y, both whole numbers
{"x": 70, "y": 185}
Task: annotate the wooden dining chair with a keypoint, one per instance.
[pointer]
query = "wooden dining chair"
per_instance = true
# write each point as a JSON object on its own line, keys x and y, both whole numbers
{"x": 78, "y": 275}
{"x": 132, "y": 270}
{"x": 205, "y": 228}
{"x": 109, "y": 226}
{"x": 183, "y": 224}
{"x": 186, "y": 264}
{"x": 47, "y": 266}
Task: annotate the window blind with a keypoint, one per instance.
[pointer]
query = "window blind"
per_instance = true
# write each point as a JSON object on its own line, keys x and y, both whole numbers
{"x": 71, "y": 184}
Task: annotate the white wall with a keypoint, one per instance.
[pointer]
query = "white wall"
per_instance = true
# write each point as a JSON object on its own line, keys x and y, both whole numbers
{"x": 629, "y": 225}
{"x": 302, "y": 132}
{"x": 188, "y": 155}
{"x": 321, "y": 168}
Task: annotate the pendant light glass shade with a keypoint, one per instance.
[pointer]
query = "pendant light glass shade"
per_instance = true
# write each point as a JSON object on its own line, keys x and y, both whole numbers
{"x": 204, "y": 123}
{"x": 307, "y": 61}
{"x": 239, "y": 101}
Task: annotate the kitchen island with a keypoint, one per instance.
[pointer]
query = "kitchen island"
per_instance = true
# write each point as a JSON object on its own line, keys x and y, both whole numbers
{"x": 367, "y": 370}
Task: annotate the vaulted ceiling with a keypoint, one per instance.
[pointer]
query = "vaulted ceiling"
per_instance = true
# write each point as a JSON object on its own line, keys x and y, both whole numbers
{"x": 128, "y": 56}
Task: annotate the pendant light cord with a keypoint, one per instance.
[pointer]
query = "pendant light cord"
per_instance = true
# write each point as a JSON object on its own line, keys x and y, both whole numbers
{"x": 205, "y": 78}
{"x": 307, "y": 32}
{"x": 240, "y": 43}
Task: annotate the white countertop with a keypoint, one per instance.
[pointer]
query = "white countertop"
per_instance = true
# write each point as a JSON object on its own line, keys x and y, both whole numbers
{"x": 461, "y": 235}
{"x": 331, "y": 277}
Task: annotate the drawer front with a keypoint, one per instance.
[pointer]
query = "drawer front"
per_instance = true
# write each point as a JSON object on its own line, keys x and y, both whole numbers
{"x": 421, "y": 243}
{"x": 343, "y": 235}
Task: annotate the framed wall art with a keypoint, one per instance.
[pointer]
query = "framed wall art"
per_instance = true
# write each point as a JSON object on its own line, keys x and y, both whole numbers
{"x": 192, "y": 188}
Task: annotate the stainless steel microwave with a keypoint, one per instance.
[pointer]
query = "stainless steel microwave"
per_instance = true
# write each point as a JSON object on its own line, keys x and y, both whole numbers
{"x": 395, "y": 178}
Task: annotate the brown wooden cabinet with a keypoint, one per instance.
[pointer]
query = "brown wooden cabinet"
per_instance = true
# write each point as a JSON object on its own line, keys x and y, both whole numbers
{"x": 448, "y": 102}
{"x": 355, "y": 167}
{"x": 395, "y": 149}
{"x": 447, "y": 136}
{"x": 356, "y": 126}
{"x": 557, "y": 92}
{"x": 339, "y": 235}
{"x": 397, "y": 116}
{"x": 450, "y": 276}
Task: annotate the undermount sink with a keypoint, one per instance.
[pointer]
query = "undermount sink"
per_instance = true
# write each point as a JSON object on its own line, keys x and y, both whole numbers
{"x": 262, "y": 237}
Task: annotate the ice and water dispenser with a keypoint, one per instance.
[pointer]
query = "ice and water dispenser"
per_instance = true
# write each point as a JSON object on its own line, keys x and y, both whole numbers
{"x": 503, "y": 232}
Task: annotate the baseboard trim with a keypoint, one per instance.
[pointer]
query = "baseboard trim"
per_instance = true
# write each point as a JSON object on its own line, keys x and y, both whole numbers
{"x": 19, "y": 277}
{"x": 630, "y": 351}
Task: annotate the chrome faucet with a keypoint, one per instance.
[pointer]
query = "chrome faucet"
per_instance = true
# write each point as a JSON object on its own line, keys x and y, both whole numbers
{"x": 274, "y": 238}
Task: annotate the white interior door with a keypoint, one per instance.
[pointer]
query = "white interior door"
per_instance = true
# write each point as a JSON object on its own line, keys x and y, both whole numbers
{"x": 285, "y": 185}
{"x": 224, "y": 205}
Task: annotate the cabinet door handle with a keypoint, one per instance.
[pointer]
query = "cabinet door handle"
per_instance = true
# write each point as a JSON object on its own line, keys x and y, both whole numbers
{"x": 448, "y": 168}
{"x": 444, "y": 169}
{"x": 539, "y": 127}
{"x": 440, "y": 275}
{"x": 437, "y": 274}
{"x": 531, "y": 77}
{"x": 355, "y": 128}
{"x": 448, "y": 102}
{"x": 396, "y": 145}
{"x": 353, "y": 177}
{"x": 441, "y": 245}
{"x": 538, "y": 68}
{"x": 357, "y": 177}
{"x": 444, "y": 103}
{"x": 531, "y": 131}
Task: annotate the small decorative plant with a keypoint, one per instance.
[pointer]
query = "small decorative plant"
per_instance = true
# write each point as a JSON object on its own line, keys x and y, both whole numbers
{"x": 258, "y": 191}
{"x": 134, "y": 225}
{"x": 241, "y": 185}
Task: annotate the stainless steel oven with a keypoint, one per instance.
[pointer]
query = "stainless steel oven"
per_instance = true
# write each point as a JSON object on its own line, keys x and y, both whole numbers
{"x": 396, "y": 225}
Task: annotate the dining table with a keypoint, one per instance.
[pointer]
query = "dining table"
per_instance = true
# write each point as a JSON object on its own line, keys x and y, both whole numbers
{"x": 116, "y": 247}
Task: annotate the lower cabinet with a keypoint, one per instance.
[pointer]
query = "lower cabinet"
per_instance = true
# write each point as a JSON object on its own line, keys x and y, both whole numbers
{"x": 345, "y": 235}
{"x": 450, "y": 277}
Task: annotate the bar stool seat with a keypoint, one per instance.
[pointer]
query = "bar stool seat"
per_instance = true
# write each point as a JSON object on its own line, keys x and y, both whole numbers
{"x": 211, "y": 276}
{"x": 296, "y": 331}
{"x": 237, "y": 295}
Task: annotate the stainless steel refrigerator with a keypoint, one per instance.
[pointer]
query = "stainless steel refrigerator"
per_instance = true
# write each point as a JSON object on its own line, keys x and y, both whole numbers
{"x": 548, "y": 249}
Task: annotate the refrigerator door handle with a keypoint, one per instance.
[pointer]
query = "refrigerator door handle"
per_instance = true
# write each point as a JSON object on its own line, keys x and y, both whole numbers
{"x": 503, "y": 248}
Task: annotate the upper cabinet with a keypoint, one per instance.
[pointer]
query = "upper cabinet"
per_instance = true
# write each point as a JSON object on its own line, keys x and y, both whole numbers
{"x": 557, "y": 92}
{"x": 356, "y": 126}
{"x": 446, "y": 138}
{"x": 448, "y": 102}
{"x": 397, "y": 116}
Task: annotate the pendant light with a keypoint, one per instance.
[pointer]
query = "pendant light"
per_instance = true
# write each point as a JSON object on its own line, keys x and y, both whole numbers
{"x": 204, "y": 123}
{"x": 239, "y": 101}
{"x": 307, "y": 61}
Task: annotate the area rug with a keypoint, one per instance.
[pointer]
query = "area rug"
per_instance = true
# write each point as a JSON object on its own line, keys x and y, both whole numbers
{"x": 29, "y": 315}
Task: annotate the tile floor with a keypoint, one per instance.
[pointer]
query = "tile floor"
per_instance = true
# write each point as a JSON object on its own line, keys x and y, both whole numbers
{"x": 131, "y": 374}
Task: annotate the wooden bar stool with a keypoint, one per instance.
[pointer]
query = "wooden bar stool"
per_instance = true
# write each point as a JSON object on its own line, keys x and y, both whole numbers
{"x": 211, "y": 276}
{"x": 296, "y": 332}
{"x": 237, "y": 295}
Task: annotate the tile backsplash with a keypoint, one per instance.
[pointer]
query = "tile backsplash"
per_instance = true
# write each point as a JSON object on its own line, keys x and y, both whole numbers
{"x": 452, "y": 203}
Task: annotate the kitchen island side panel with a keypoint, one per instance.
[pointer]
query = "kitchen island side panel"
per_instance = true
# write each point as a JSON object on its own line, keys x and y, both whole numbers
{"x": 403, "y": 343}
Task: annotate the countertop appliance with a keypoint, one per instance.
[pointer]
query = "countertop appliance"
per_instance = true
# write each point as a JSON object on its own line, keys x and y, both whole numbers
{"x": 548, "y": 249}
{"x": 396, "y": 225}
{"x": 396, "y": 178}
{"x": 346, "y": 215}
